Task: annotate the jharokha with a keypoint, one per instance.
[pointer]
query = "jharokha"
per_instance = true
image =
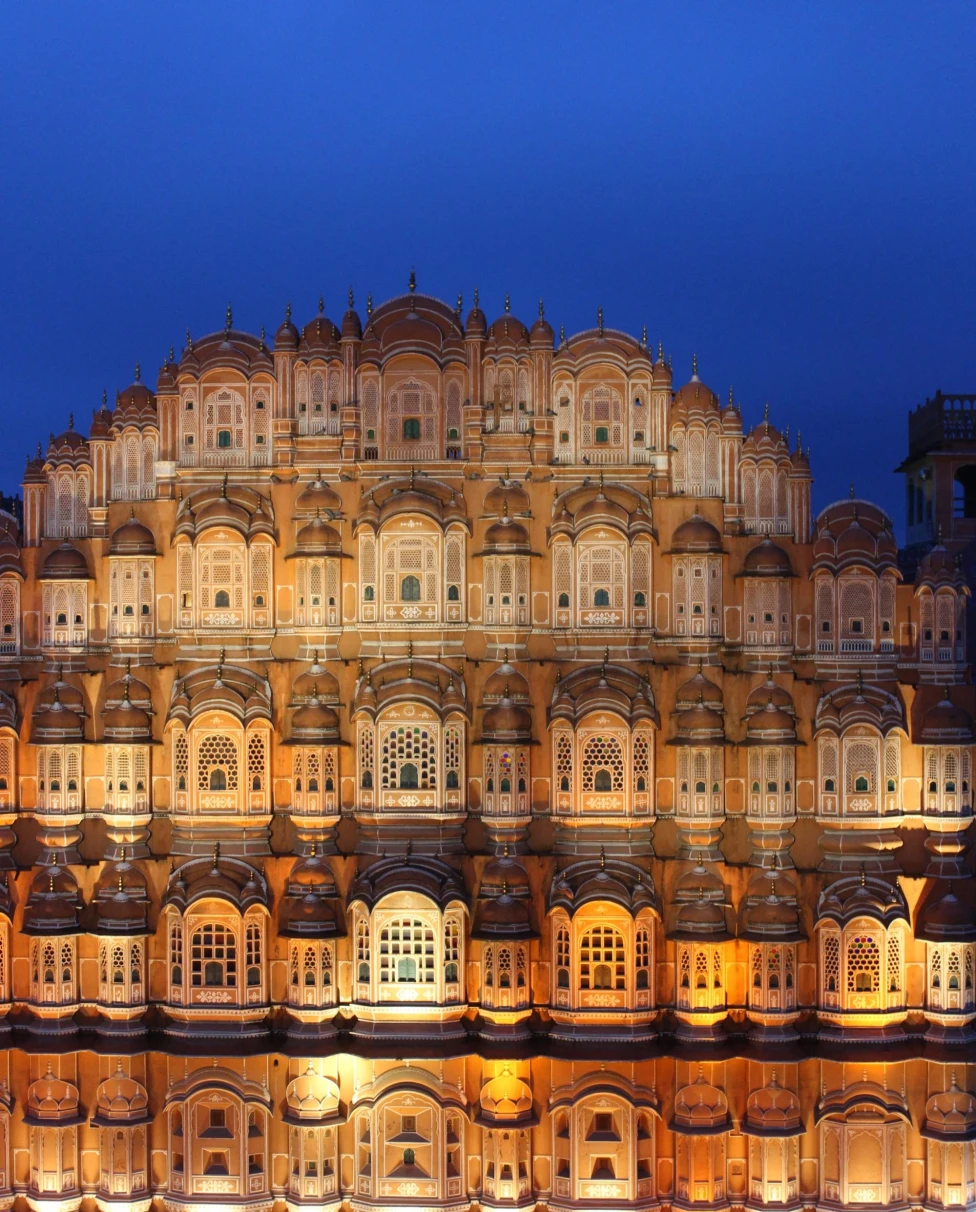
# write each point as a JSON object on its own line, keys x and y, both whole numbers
{"x": 444, "y": 765}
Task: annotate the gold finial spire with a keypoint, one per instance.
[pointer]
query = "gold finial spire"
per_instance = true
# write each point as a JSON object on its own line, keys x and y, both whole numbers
{"x": 460, "y": 303}
{"x": 229, "y": 320}
{"x": 644, "y": 336}
{"x": 851, "y": 491}
{"x": 542, "y": 309}
{"x": 412, "y": 285}
{"x": 508, "y": 303}
{"x": 562, "y": 334}
{"x": 321, "y": 305}
{"x": 694, "y": 366}
{"x": 603, "y": 859}
{"x": 660, "y": 351}
{"x": 766, "y": 417}
{"x": 216, "y": 853}
{"x": 476, "y": 298}
{"x": 288, "y": 312}
{"x": 352, "y": 301}
{"x": 599, "y": 320}
{"x": 189, "y": 341}
{"x": 369, "y": 304}
{"x": 138, "y": 372}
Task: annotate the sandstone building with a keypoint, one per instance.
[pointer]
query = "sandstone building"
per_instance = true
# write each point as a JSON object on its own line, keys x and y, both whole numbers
{"x": 444, "y": 765}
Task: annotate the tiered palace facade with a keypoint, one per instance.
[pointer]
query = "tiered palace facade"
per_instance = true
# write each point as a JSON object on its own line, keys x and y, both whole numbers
{"x": 446, "y": 765}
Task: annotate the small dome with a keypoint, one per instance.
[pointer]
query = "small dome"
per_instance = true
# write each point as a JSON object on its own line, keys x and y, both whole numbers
{"x": 768, "y": 693}
{"x": 700, "y": 919}
{"x": 54, "y": 723}
{"x": 948, "y": 920}
{"x": 476, "y": 325}
{"x": 126, "y": 722}
{"x": 767, "y": 560}
{"x": 696, "y": 534}
{"x": 701, "y": 1107}
{"x": 318, "y": 538}
{"x": 132, "y": 538}
{"x": 699, "y": 689}
{"x": 65, "y": 563}
{"x": 506, "y": 721}
{"x": 507, "y": 496}
{"x": 507, "y": 536}
{"x": 505, "y": 681}
{"x": 700, "y": 724}
{"x": 314, "y": 723}
{"x": 316, "y": 682}
{"x": 286, "y": 338}
{"x": 51, "y": 1100}
{"x": 506, "y": 1098}
{"x": 541, "y": 335}
{"x": 946, "y": 724}
{"x": 317, "y": 495}
{"x": 352, "y": 326}
{"x": 121, "y": 1099}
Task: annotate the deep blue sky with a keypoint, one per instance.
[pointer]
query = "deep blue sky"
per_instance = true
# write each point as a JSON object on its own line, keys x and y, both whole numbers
{"x": 787, "y": 189}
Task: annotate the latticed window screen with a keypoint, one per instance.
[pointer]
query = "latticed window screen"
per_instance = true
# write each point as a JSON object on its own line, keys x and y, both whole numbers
{"x": 863, "y": 964}
{"x": 564, "y": 761}
{"x": 406, "y": 952}
{"x": 831, "y": 962}
{"x": 453, "y": 754}
{"x": 603, "y": 764}
{"x": 894, "y": 963}
{"x": 365, "y": 753}
{"x": 828, "y": 763}
{"x": 857, "y": 607}
{"x": 213, "y": 955}
{"x": 601, "y": 569}
{"x": 413, "y": 746}
{"x": 642, "y": 760}
{"x": 603, "y": 963}
{"x": 861, "y": 762}
{"x": 601, "y": 409}
{"x": 257, "y": 757}
{"x": 217, "y": 752}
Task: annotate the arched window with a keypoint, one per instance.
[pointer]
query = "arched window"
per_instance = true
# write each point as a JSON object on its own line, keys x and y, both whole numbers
{"x": 411, "y": 427}
{"x": 213, "y": 956}
{"x": 410, "y": 589}
{"x": 408, "y": 776}
{"x": 218, "y": 780}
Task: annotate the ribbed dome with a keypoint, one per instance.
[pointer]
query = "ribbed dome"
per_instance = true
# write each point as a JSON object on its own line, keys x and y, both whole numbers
{"x": 65, "y": 563}
{"x": 132, "y": 538}
{"x": 767, "y": 560}
{"x": 696, "y": 534}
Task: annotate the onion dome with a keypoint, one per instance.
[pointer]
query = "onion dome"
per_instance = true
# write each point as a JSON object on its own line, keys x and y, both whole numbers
{"x": 605, "y": 879}
{"x": 10, "y": 560}
{"x": 317, "y": 497}
{"x": 505, "y": 1102}
{"x": 136, "y": 405}
{"x": 699, "y": 725}
{"x": 310, "y": 907}
{"x": 453, "y": 698}
{"x": 53, "y": 904}
{"x": 427, "y": 876}
{"x": 602, "y": 507}
{"x": 854, "y": 533}
{"x": 541, "y": 334}
{"x": 121, "y": 902}
{"x": 34, "y": 472}
{"x": 69, "y": 446}
{"x": 506, "y": 537}
{"x": 506, "y": 679}
{"x": 504, "y": 871}
{"x": 860, "y": 703}
{"x": 699, "y": 689}
{"x": 701, "y": 1109}
{"x": 769, "y": 692}
{"x": 770, "y": 917}
{"x": 950, "y": 1115}
{"x": 766, "y": 559}
{"x": 694, "y": 395}
{"x": 605, "y": 687}
{"x": 65, "y": 563}
{"x": 315, "y": 682}
{"x": 660, "y": 371}
{"x": 52, "y": 1101}
{"x": 119, "y": 1100}
{"x": 352, "y": 328}
{"x": 731, "y": 419}
{"x": 314, "y": 724}
{"x": 317, "y": 538}
{"x": 320, "y": 334}
{"x": 507, "y": 496}
{"x": 132, "y": 538}
{"x": 773, "y": 1111}
{"x": 701, "y": 919}
{"x": 227, "y": 879}
{"x": 312, "y": 1099}
{"x": 698, "y": 882}
{"x": 946, "y": 724}
{"x": 505, "y": 915}
{"x": 506, "y": 722}
{"x": 56, "y": 724}
{"x": 102, "y": 419}
{"x": 166, "y": 379}
{"x": 938, "y": 568}
{"x": 128, "y": 707}
{"x": 862, "y": 896}
{"x": 695, "y": 534}
{"x": 286, "y": 338}
{"x": 476, "y": 325}
{"x": 948, "y": 920}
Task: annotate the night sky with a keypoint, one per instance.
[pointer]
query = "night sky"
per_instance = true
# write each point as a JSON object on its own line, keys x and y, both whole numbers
{"x": 786, "y": 189}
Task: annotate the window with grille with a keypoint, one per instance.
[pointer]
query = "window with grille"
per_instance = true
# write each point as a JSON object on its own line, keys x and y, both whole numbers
{"x": 217, "y": 763}
{"x": 213, "y": 956}
{"x": 406, "y": 952}
{"x": 863, "y": 964}
{"x": 562, "y": 956}
{"x": 603, "y": 764}
{"x": 564, "y": 761}
{"x": 602, "y": 959}
{"x": 409, "y": 758}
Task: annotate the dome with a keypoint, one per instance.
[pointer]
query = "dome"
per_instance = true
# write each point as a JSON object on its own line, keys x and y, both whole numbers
{"x": 126, "y": 722}
{"x": 506, "y": 721}
{"x": 701, "y": 1108}
{"x": 700, "y": 724}
{"x": 352, "y": 326}
{"x": 65, "y": 563}
{"x": 507, "y": 496}
{"x": 699, "y": 689}
{"x": 695, "y": 396}
{"x": 121, "y": 1099}
{"x": 767, "y": 560}
{"x": 951, "y": 1114}
{"x": 10, "y": 560}
{"x": 767, "y": 693}
{"x": 54, "y": 903}
{"x": 51, "y": 1100}
{"x": 507, "y": 536}
{"x": 316, "y": 682}
{"x": 505, "y": 681}
{"x": 773, "y": 1111}
{"x": 132, "y": 538}
{"x": 317, "y": 495}
{"x": 286, "y": 338}
{"x": 506, "y": 1099}
{"x": 318, "y": 538}
{"x": 946, "y": 724}
{"x": 56, "y": 724}
{"x": 541, "y": 335}
{"x": 696, "y": 534}
{"x": 947, "y": 920}
{"x": 311, "y": 1099}
{"x": 476, "y": 325}
{"x": 314, "y": 724}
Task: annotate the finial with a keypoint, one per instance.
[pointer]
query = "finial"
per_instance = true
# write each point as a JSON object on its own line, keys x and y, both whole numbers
{"x": 644, "y": 336}
{"x": 138, "y": 372}
{"x": 852, "y": 490}
{"x": 542, "y": 309}
{"x": 599, "y": 320}
{"x": 262, "y": 336}
{"x": 694, "y": 366}
{"x": 460, "y": 303}
{"x": 504, "y": 887}
{"x": 288, "y": 312}
{"x": 731, "y": 397}
{"x": 71, "y": 420}
{"x": 171, "y": 353}
{"x": 799, "y": 442}
{"x": 369, "y": 304}
{"x": 120, "y": 882}
{"x": 189, "y": 341}
{"x": 863, "y": 876}
{"x": 311, "y": 852}
{"x": 766, "y": 416}
{"x": 321, "y": 305}
{"x": 562, "y": 334}
{"x": 351, "y": 299}
{"x": 476, "y": 298}
{"x": 216, "y": 853}
{"x": 409, "y": 658}
{"x": 413, "y": 280}
{"x": 50, "y": 885}
{"x": 660, "y": 351}
{"x": 603, "y": 859}
{"x": 508, "y": 303}
{"x": 223, "y": 486}
{"x": 229, "y": 322}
